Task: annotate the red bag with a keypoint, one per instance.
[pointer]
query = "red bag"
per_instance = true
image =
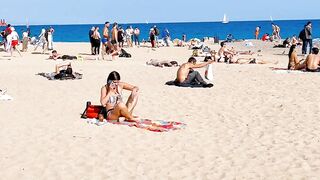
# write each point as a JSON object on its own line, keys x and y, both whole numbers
{"x": 91, "y": 111}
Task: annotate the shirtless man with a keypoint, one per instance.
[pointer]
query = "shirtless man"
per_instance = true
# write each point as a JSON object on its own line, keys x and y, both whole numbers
{"x": 105, "y": 39}
{"x": 114, "y": 38}
{"x": 313, "y": 61}
{"x": 186, "y": 76}
{"x": 225, "y": 54}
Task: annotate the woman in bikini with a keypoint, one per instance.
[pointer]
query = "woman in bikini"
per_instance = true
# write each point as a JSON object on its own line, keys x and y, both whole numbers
{"x": 294, "y": 63}
{"x": 112, "y": 100}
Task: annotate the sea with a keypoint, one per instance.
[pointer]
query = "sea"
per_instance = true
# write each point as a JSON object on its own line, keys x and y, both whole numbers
{"x": 239, "y": 29}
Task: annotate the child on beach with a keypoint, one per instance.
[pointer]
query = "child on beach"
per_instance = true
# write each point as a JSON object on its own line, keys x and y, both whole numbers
{"x": 112, "y": 100}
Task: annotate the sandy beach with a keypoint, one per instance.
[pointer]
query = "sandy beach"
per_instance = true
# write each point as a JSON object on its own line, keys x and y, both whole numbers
{"x": 255, "y": 123}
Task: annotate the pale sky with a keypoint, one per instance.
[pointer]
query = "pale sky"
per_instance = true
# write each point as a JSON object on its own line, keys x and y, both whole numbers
{"x": 140, "y": 11}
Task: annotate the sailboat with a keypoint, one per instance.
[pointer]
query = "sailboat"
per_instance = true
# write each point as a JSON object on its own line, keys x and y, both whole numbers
{"x": 225, "y": 20}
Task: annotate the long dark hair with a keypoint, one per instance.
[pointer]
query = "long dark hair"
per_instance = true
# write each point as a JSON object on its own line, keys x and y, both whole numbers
{"x": 291, "y": 50}
{"x": 113, "y": 76}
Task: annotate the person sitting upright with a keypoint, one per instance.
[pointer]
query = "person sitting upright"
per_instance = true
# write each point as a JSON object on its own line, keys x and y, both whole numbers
{"x": 313, "y": 61}
{"x": 187, "y": 77}
{"x": 225, "y": 54}
{"x": 112, "y": 101}
{"x": 294, "y": 62}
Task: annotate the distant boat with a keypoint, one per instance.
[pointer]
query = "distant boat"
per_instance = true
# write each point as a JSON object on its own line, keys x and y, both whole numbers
{"x": 3, "y": 22}
{"x": 271, "y": 19}
{"x": 225, "y": 20}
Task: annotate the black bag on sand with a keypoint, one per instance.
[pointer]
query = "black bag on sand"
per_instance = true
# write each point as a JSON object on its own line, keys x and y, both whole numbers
{"x": 124, "y": 54}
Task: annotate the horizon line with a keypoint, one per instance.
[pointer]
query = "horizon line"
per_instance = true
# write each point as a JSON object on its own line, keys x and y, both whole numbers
{"x": 165, "y": 22}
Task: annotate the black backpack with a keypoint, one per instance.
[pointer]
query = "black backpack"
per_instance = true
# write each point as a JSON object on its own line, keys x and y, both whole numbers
{"x": 302, "y": 34}
{"x": 124, "y": 54}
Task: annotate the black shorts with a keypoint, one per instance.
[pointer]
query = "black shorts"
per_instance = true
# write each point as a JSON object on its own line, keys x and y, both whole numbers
{"x": 113, "y": 42}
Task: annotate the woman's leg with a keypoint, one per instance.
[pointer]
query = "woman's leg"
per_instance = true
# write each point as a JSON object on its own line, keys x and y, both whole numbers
{"x": 120, "y": 110}
{"x": 132, "y": 101}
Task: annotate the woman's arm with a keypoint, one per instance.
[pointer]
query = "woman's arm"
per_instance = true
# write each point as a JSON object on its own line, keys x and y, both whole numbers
{"x": 129, "y": 87}
{"x": 103, "y": 96}
{"x": 201, "y": 64}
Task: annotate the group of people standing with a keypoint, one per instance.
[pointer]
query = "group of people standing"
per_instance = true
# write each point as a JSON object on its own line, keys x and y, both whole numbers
{"x": 112, "y": 40}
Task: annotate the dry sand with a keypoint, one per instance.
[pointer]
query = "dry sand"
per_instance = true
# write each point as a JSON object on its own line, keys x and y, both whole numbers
{"x": 253, "y": 124}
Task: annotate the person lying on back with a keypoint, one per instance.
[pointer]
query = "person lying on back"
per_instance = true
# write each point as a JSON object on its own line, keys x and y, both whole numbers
{"x": 186, "y": 76}
{"x": 55, "y": 56}
{"x": 313, "y": 61}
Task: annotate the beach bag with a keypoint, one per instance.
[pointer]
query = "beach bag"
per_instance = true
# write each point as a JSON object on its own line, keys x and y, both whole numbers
{"x": 91, "y": 111}
{"x": 124, "y": 54}
{"x": 209, "y": 72}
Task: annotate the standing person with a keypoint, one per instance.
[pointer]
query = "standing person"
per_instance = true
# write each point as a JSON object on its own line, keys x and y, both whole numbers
{"x": 257, "y": 32}
{"x": 7, "y": 31}
{"x": 96, "y": 41}
{"x": 14, "y": 37}
{"x": 25, "y": 40}
{"x": 166, "y": 36}
{"x": 50, "y": 38}
{"x": 152, "y": 37}
{"x": 120, "y": 36}
{"x": 278, "y": 32}
{"x": 274, "y": 33}
{"x": 136, "y": 36}
{"x": 156, "y": 33}
{"x": 105, "y": 39}
{"x": 114, "y": 38}
{"x": 42, "y": 41}
{"x": 307, "y": 39}
{"x": 91, "y": 39}
{"x": 128, "y": 36}
{"x": 184, "y": 37}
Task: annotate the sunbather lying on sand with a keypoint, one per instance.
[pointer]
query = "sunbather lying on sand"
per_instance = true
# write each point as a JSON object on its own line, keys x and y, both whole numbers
{"x": 112, "y": 101}
{"x": 55, "y": 56}
{"x": 159, "y": 63}
{"x": 251, "y": 61}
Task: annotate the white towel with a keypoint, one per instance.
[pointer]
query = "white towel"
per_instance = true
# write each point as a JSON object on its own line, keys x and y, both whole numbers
{"x": 5, "y": 97}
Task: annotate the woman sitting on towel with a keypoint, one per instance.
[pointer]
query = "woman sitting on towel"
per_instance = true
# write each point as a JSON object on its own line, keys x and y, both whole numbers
{"x": 294, "y": 63}
{"x": 112, "y": 101}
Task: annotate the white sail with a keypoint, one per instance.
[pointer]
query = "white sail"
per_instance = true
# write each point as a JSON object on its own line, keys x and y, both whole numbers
{"x": 225, "y": 20}
{"x": 271, "y": 19}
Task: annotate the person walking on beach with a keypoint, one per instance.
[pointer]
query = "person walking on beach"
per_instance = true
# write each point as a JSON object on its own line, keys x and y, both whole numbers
{"x": 25, "y": 40}
{"x": 307, "y": 38}
{"x": 136, "y": 36}
{"x": 14, "y": 38}
{"x": 91, "y": 39}
{"x": 96, "y": 41}
{"x": 257, "y": 32}
{"x": 42, "y": 41}
{"x": 166, "y": 36}
{"x": 7, "y": 31}
{"x": 49, "y": 37}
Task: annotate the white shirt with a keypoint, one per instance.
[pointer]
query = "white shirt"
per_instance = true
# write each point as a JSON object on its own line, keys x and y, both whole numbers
{"x": 25, "y": 34}
{"x": 15, "y": 35}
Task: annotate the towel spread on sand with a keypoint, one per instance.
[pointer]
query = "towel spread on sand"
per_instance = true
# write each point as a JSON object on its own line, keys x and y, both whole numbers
{"x": 5, "y": 97}
{"x": 286, "y": 71}
{"x": 50, "y": 76}
{"x": 147, "y": 124}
